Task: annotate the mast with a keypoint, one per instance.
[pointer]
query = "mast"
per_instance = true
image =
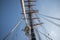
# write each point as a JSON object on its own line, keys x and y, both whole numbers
{"x": 28, "y": 11}
{"x": 31, "y": 21}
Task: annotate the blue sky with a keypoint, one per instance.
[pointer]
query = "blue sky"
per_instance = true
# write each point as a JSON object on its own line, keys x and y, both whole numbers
{"x": 51, "y": 8}
{"x": 11, "y": 13}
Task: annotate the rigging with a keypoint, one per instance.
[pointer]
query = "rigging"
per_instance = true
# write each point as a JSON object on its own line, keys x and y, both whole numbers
{"x": 51, "y": 22}
{"x": 50, "y": 17}
{"x": 19, "y": 22}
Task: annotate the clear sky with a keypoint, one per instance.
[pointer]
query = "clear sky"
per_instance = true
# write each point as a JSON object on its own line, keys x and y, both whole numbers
{"x": 51, "y": 8}
{"x": 11, "y": 13}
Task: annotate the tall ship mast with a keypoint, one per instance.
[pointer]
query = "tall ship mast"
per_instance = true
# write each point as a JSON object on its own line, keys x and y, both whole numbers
{"x": 30, "y": 17}
{"x": 28, "y": 11}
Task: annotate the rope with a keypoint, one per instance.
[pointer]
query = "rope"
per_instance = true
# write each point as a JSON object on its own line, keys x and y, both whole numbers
{"x": 12, "y": 29}
{"x": 44, "y": 34}
{"x": 38, "y": 34}
{"x": 50, "y": 17}
{"x": 51, "y": 22}
{"x": 44, "y": 27}
{"x": 39, "y": 21}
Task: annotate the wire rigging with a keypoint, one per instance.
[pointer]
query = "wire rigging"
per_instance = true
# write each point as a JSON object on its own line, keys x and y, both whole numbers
{"x": 37, "y": 34}
{"x": 13, "y": 29}
{"x": 39, "y": 21}
{"x": 51, "y": 22}
{"x": 43, "y": 34}
{"x": 49, "y": 16}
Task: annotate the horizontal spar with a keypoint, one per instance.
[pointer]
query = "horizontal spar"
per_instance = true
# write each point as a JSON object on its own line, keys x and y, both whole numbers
{"x": 31, "y": 1}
